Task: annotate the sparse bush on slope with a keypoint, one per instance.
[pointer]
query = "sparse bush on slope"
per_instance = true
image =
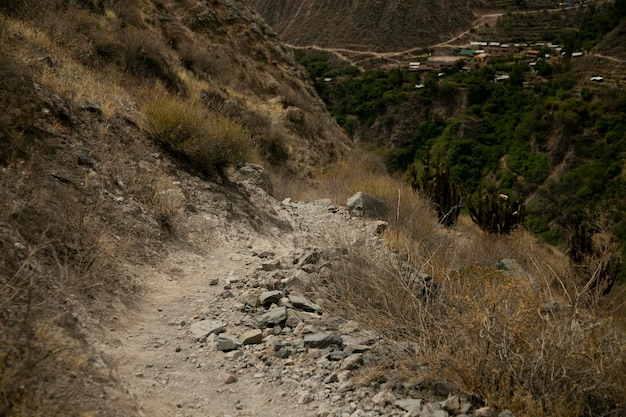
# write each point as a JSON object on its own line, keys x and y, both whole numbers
{"x": 207, "y": 141}
{"x": 541, "y": 343}
{"x": 490, "y": 334}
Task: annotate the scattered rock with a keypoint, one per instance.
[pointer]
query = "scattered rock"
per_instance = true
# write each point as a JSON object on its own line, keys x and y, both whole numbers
{"x": 364, "y": 205}
{"x": 383, "y": 398}
{"x": 272, "y": 317}
{"x": 271, "y": 265}
{"x": 229, "y": 378}
{"x": 202, "y": 329}
{"x": 452, "y": 404}
{"x": 410, "y": 405}
{"x": 322, "y": 340}
{"x": 270, "y": 297}
{"x": 252, "y": 337}
{"x": 485, "y": 412}
{"x": 304, "y": 303}
{"x": 226, "y": 343}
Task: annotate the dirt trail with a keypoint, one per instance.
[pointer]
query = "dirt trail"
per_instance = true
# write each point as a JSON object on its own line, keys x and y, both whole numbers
{"x": 171, "y": 374}
{"x": 205, "y": 276}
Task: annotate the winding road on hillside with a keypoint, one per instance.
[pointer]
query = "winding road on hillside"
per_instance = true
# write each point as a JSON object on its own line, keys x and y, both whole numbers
{"x": 483, "y": 18}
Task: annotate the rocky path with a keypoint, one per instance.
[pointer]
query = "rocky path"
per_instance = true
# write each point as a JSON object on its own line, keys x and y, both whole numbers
{"x": 230, "y": 323}
{"x": 180, "y": 351}
{"x": 168, "y": 369}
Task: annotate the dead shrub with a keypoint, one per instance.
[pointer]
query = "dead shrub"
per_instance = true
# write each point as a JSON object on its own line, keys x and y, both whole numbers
{"x": 18, "y": 108}
{"x": 175, "y": 33}
{"x": 195, "y": 58}
{"x": 29, "y": 9}
{"x": 530, "y": 344}
{"x": 129, "y": 12}
{"x": 54, "y": 251}
{"x": 271, "y": 138}
{"x": 494, "y": 336}
{"x": 144, "y": 57}
{"x": 166, "y": 203}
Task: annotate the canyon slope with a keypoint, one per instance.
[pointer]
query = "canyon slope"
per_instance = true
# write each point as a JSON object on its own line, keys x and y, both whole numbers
{"x": 371, "y": 25}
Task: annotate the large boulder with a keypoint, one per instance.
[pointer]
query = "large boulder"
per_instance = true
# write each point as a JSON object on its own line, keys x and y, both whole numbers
{"x": 365, "y": 205}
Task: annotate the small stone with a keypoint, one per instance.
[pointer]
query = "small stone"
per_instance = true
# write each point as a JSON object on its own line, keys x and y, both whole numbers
{"x": 452, "y": 404}
{"x": 202, "y": 329}
{"x": 337, "y": 355}
{"x": 322, "y": 340}
{"x": 465, "y": 407}
{"x": 226, "y": 343}
{"x": 310, "y": 258}
{"x": 409, "y": 404}
{"x": 271, "y": 265}
{"x": 298, "y": 329}
{"x": 252, "y": 337}
{"x": 352, "y": 362}
{"x": 303, "y": 303}
{"x": 283, "y": 352}
{"x": 383, "y": 398}
{"x": 272, "y": 317}
{"x": 305, "y": 398}
{"x": 230, "y": 378}
{"x": 506, "y": 413}
{"x": 331, "y": 378}
{"x": 485, "y": 412}
{"x": 234, "y": 354}
{"x": 270, "y": 297}
{"x": 378, "y": 227}
{"x": 214, "y": 281}
{"x": 346, "y": 386}
{"x": 432, "y": 409}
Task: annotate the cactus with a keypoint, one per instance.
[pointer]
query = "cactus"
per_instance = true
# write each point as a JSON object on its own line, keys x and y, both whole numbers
{"x": 496, "y": 214}
{"x": 438, "y": 186}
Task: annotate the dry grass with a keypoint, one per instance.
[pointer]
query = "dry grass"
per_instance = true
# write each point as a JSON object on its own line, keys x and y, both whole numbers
{"x": 490, "y": 334}
{"x": 207, "y": 141}
{"x": 55, "y": 253}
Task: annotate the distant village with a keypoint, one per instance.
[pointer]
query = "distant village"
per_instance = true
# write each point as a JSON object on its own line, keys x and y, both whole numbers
{"x": 483, "y": 52}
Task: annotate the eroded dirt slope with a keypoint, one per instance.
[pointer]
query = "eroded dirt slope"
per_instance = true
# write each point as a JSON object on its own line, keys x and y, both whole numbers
{"x": 371, "y": 25}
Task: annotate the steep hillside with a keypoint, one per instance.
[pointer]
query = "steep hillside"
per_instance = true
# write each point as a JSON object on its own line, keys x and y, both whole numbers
{"x": 370, "y": 25}
{"x": 103, "y": 106}
{"x": 150, "y": 266}
{"x": 546, "y": 130}
{"x": 612, "y": 45}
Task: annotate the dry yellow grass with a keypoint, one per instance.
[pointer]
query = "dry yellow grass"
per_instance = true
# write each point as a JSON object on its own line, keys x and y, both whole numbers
{"x": 490, "y": 334}
{"x": 484, "y": 330}
{"x": 207, "y": 141}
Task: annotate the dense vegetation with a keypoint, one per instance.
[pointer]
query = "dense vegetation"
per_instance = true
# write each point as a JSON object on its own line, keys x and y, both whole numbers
{"x": 545, "y": 135}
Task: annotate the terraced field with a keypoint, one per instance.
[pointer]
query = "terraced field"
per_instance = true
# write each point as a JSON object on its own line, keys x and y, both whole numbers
{"x": 534, "y": 25}
{"x": 524, "y": 4}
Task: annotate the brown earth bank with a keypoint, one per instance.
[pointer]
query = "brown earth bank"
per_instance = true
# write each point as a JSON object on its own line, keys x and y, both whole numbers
{"x": 366, "y": 25}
